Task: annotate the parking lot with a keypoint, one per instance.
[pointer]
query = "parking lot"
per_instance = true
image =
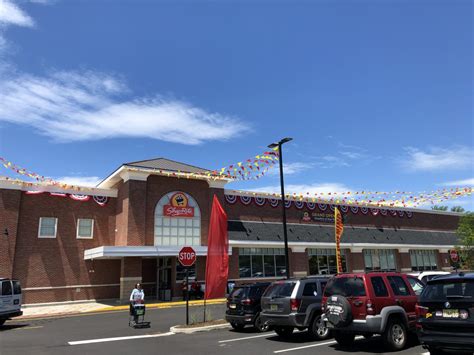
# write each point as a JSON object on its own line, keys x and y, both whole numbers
{"x": 109, "y": 333}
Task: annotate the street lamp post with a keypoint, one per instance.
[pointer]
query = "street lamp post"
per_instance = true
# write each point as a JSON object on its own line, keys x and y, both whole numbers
{"x": 283, "y": 208}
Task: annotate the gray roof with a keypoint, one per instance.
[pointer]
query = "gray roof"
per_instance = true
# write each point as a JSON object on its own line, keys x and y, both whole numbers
{"x": 166, "y": 164}
{"x": 273, "y": 232}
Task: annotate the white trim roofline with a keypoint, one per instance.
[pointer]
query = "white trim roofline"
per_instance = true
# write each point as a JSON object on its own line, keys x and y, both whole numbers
{"x": 355, "y": 247}
{"x": 112, "y": 252}
{"x": 89, "y": 191}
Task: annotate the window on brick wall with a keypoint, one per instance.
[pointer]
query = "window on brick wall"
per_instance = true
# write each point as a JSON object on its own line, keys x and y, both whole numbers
{"x": 85, "y": 228}
{"x": 262, "y": 262}
{"x": 379, "y": 259}
{"x": 177, "y": 231}
{"x": 48, "y": 227}
{"x": 422, "y": 260}
{"x": 323, "y": 261}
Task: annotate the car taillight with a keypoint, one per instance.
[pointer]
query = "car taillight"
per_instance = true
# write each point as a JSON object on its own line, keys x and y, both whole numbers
{"x": 370, "y": 307}
{"x": 294, "y": 304}
{"x": 421, "y": 311}
{"x": 463, "y": 314}
{"x": 247, "y": 301}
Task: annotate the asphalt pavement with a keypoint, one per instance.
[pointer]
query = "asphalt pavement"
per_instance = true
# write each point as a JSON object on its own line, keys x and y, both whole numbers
{"x": 109, "y": 333}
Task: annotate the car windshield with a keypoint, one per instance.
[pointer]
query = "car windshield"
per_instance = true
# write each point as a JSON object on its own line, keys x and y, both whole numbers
{"x": 281, "y": 289}
{"x": 448, "y": 289}
{"x": 345, "y": 286}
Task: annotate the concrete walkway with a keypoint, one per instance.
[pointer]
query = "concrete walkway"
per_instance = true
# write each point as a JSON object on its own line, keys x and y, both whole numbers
{"x": 71, "y": 308}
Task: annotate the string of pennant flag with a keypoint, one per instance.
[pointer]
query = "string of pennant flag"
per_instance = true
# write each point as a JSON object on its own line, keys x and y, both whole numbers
{"x": 255, "y": 168}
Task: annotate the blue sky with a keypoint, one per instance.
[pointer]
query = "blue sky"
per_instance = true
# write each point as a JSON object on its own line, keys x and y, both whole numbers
{"x": 377, "y": 95}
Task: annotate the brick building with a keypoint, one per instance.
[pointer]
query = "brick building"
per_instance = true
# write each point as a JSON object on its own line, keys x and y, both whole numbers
{"x": 66, "y": 246}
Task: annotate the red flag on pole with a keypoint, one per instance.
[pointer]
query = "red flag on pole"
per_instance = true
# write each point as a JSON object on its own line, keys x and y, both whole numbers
{"x": 339, "y": 227}
{"x": 217, "y": 263}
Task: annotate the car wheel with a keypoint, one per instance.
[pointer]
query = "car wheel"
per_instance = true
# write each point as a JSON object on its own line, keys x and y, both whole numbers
{"x": 260, "y": 325}
{"x": 344, "y": 339}
{"x": 237, "y": 326}
{"x": 395, "y": 335}
{"x": 318, "y": 329}
{"x": 284, "y": 331}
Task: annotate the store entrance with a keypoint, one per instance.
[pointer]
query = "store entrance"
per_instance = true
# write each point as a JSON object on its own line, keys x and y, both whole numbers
{"x": 164, "y": 280}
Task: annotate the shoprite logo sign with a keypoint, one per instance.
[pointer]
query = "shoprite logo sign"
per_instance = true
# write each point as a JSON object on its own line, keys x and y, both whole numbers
{"x": 178, "y": 206}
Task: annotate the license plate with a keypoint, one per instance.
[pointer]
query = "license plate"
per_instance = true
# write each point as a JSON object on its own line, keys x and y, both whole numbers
{"x": 273, "y": 307}
{"x": 232, "y": 306}
{"x": 450, "y": 313}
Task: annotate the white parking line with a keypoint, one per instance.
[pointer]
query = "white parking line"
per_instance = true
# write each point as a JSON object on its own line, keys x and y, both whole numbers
{"x": 245, "y": 338}
{"x": 103, "y": 340}
{"x": 310, "y": 346}
{"x": 268, "y": 335}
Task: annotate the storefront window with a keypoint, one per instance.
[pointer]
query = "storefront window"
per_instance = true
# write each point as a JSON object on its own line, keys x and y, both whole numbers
{"x": 177, "y": 220}
{"x": 422, "y": 260}
{"x": 379, "y": 259}
{"x": 324, "y": 262}
{"x": 181, "y": 272}
{"x": 261, "y": 262}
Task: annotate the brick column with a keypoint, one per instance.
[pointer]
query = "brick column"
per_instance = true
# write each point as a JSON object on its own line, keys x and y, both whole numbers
{"x": 130, "y": 274}
{"x": 234, "y": 264}
{"x": 444, "y": 261}
{"x": 9, "y": 212}
{"x": 404, "y": 260}
{"x": 356, "y": 261}
{"x": 299, "y": 265}
{"x": 131, "y": 212}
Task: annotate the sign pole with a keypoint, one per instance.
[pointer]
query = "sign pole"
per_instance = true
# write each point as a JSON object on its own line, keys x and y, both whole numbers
{"x": 187, "y": 296}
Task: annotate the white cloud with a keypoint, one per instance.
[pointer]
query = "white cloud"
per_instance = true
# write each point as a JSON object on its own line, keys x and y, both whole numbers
{"x": 465, "y": 182}
{"x": 82, "y": 106}
{"x": 11, "y": 14}
{"x": 290, "y": 168}
{"x": 305, "y": 188}
{"x": 90, "y": 181}
{"x": 435, "y": 158}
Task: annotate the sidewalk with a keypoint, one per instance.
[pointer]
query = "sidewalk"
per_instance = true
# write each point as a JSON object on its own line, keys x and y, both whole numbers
{"x": 72, "y": 308}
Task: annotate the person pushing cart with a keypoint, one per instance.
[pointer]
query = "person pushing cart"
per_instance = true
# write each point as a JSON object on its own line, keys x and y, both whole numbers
{"x": 137, "y": 305}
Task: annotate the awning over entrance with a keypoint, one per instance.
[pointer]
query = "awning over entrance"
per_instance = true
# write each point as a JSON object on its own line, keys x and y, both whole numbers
{"x": 110, "y": 252}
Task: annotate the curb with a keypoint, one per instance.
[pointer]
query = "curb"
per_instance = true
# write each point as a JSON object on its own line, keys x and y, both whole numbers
{"x": 162, "y": 305}
{"x": 206, "y": 328}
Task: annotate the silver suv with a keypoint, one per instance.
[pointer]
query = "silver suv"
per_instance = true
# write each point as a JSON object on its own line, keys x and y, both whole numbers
{"x": 292, "y": 303}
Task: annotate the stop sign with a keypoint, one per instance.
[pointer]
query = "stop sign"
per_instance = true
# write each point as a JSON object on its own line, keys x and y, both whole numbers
{"x": 187, "y": 256}
{"x": 453, "y": 254}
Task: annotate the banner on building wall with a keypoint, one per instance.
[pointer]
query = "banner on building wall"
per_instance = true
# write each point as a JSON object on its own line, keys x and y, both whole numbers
{"x": 339, "y": 228}
{"x": 217, "y": 263}
{"x": 178, "y": 206}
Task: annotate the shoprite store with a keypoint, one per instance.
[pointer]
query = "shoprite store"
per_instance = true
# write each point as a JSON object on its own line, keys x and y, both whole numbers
{"x": 97, "y": 243}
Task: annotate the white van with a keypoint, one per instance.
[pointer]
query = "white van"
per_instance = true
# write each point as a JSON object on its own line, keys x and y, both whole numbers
{"x": 10, "y": 299}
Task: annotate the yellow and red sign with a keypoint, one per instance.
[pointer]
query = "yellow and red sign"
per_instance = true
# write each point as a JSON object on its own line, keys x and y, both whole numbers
{"x": 178, "y": 206}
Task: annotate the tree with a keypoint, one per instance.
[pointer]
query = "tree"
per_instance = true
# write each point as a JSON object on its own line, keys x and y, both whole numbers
{"x": 439, "y": 208}
{"x": 466, "y": 232}
{"x": 457, "y": 209}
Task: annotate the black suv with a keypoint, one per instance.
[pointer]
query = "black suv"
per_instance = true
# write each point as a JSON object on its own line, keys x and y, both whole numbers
{"x": 291, "y": 304}
{"x": 446, "y": 313}
{"x": 243, "y": 307}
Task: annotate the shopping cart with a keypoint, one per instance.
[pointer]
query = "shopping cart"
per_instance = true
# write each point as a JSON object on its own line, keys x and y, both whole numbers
{"x": 137, "y": 316}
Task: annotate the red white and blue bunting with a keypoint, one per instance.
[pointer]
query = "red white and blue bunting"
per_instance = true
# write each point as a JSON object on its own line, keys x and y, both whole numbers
{"x": 274, "y": 202}
{"x": 100, "y": 200}
{"x": 261, "y": 201}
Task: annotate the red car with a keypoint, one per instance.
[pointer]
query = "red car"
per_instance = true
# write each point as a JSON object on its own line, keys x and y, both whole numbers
{"x": 370, "y": 303}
